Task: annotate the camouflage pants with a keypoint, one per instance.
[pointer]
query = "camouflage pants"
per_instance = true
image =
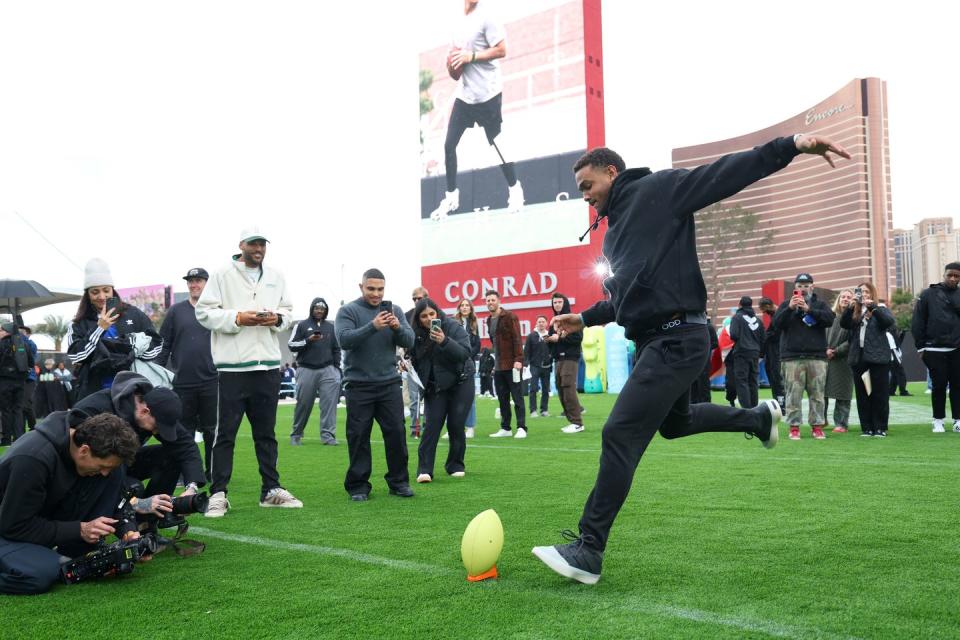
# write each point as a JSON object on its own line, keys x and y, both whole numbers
{"x": 805, "y": 375}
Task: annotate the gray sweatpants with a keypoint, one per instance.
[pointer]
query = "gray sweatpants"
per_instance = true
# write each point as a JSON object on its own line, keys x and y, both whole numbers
{"x": 312, "y": 383}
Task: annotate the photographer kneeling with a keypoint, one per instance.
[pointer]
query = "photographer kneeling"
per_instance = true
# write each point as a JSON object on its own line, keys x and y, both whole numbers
{"x": 59, "y": 490}
{"x": 151, "y": 412}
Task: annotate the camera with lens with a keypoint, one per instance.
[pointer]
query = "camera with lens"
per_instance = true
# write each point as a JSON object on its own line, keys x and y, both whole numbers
{"x": 182, "y": 506}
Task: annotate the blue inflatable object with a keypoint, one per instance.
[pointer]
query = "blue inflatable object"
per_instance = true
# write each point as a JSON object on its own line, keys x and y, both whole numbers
{"x": 618, "y": 358}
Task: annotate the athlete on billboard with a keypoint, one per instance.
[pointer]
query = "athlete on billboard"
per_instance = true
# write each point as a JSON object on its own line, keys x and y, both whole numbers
{"x": 473, "y": 60}
{"x": 656, "y": 293}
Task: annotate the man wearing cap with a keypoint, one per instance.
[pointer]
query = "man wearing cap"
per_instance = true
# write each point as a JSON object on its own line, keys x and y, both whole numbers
{"x": 246, "y": 305}
{"x": 16, "y": 362}
{"x": 186, "y": 350}
{"x": 318, "y": 373}
{"x": 803, "y": 321}
{"x": 747, "y": 333}
{"x": 152, "y": 412}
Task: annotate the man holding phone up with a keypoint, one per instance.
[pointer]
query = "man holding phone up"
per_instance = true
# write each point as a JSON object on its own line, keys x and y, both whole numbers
{"x": 369, "y": 330}
{"x": 803, "y": 321}
{"x": 245, "y": 305}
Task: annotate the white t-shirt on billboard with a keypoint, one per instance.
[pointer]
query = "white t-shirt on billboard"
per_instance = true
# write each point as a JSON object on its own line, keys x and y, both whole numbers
{"x": 478, "y": 31}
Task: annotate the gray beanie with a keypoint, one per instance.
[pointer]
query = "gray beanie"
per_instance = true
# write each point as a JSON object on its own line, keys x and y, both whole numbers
{"x": 96, "y": 274}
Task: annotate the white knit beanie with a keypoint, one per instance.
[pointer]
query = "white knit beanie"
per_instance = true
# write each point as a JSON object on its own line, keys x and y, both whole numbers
{"x": 96, "y": 274}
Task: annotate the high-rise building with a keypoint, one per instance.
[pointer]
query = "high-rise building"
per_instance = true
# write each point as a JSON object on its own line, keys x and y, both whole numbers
{"x": 835, "y": 223}
{"x": 934, "y": 242}
{"x": 903, "y": 258}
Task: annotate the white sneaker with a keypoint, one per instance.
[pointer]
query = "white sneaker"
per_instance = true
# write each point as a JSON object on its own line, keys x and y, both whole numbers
{"x": 445, "y": 436}
{"x": 449, "y": 204}
{"x": 956, "y": 426}
{"x": 928, "y": 392}
{"x": 572, "y": 428}
{"x": 469, "y": 432}
{"x": 280, "y": 497}
{"x": 937, "y": 427}
{"x": 197, "y": 437}
{"x": 503, "y": 433}
{"x": 424, "y": 478}
{"x": 458, "y": 474}
{"x": 218, "y": 505}
{"x": 521, "y": 434}
{"x": 534, "y": 414}
{"x": 544, "y": 414}
{"x": 515, "y": 198}
{"x": 496, "y": 414}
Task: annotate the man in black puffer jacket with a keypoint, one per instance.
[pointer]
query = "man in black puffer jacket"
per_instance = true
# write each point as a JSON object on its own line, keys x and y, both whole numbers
{"x": 936, "y": 332}
{"x": 657, "y": 294}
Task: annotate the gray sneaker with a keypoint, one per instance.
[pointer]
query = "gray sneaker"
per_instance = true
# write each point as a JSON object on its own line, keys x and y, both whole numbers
{"x": 575, "y": 560}
{"x": 296, "y": 441}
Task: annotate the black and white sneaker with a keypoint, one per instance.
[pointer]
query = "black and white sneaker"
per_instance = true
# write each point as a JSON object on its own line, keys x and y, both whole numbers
{"x": 575, "y": 560}
{"x": 770, "y": 417}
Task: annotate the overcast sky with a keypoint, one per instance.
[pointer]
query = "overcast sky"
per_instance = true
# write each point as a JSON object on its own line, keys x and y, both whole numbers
{"x": 150, "y": 134}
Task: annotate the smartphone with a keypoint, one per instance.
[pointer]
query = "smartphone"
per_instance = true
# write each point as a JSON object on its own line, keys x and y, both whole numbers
{"x": 796, "y": 292}
{"x": 113, "y": 303}
{"x": 263, "y": 314}
{"x": 435, "y": 324}
{"x": 386, "y": 305}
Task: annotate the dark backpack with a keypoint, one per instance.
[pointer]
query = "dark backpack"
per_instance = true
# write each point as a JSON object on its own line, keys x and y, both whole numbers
{"x": 21, "y": 359}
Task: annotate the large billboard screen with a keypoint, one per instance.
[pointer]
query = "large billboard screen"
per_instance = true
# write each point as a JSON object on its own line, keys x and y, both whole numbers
{"x": 509, "y": 101}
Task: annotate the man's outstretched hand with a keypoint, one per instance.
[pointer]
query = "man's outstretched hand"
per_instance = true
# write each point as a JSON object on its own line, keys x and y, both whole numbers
{"x": 821, "y": 146}
{"x": 567, "y": 323}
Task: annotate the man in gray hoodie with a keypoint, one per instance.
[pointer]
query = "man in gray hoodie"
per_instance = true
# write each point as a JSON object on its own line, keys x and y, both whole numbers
{"x": 369, "y": 330}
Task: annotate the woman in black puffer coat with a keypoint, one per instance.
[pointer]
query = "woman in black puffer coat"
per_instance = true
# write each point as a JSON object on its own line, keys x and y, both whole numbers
{"x": 870, "y": 354}
{"x": 442, "y": 360}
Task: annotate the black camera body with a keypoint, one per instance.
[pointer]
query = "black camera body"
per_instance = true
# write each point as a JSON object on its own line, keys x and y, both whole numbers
{"x": 116, "y": 559}
{"x": 183, "y": 506}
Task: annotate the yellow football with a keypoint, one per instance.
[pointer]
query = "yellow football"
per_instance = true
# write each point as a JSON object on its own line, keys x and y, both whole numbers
{"x": 481, "y": 545}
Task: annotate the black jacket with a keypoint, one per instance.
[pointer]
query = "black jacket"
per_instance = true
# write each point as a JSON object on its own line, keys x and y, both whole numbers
{"x": 568, "y": 347}
{"x": 16, "y": 358}
{"x": 771, "y": 345}
{"x": 798, "y": 339}
{"x": 315, "y": 354}
{"x": 876, "y": 346}
{"x": 119, "y": 400}
{"x": 186, "y": 347}
{"x": 650, "y": 242}
{"x": 37, "y": 478}
{"x": 487, "y": 363}
{"x": 536, "y": 352}
{"x": 936, "y": 318}
{"x": 99, "y": 358}
{"x": 747, "y": 332}
{"x": 443, "y": 366}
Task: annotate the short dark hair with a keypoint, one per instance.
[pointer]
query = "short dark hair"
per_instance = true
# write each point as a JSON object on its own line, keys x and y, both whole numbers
{"x": 108, "y": 435}
{"x": 374, "y": 274}
{"x": 541, "y": 316}
{"x": 601, "y": 157}
{"x": 952, "y": 265}
{"x": 492, "y": 292}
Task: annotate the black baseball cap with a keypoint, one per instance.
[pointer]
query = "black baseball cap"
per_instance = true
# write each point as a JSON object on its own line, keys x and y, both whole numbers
{"x": 166, "y": 408}
{"x": 804, "y": 277}
{"x": 197, "y": 272}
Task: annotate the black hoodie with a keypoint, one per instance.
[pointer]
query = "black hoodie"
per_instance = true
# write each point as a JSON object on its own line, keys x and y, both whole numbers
{"x": 119, "y": 400}
{"x": 936, "y": 318}
{"x": 567, "y": 347}
{"x": 318, "y": 353}
{"x": 746, "y": 330}
{"x": 650, "y": 242}
{"x": 37, "y": 475}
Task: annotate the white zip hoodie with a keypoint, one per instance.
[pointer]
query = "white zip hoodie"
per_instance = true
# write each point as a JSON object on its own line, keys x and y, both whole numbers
{"x": 228, "y": 292}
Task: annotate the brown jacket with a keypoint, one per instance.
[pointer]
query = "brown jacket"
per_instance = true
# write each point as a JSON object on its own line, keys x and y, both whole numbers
{"x": 508, "y": 342}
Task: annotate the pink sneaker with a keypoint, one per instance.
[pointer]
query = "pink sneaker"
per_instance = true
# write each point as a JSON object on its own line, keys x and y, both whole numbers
{"x": 818, "y": 433}
{"x": 794, "y": 433}
{"x": 839, "y": 429}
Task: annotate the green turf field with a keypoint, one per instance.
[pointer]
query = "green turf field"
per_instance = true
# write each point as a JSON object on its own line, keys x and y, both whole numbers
{"x": 845, "y": 538}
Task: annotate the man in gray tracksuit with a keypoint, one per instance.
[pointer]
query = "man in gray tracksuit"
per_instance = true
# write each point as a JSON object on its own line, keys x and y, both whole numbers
{"x": 318, "y": 373}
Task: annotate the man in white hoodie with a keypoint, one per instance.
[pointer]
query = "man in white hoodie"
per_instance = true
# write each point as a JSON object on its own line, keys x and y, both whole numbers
{"x": 245, "y": 305}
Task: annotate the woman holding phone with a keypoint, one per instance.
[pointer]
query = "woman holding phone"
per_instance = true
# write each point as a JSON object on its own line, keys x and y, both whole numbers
{"x": 99, "y": 342}
{"x": 441, "y": 357}
{"x": 870, "y": 357}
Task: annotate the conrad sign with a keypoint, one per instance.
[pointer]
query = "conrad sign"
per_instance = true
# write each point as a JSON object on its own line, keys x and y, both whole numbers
{"x": 814, "y": 116}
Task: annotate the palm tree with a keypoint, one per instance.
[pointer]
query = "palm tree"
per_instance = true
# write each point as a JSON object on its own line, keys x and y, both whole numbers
{"x": 55, "y": 327}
